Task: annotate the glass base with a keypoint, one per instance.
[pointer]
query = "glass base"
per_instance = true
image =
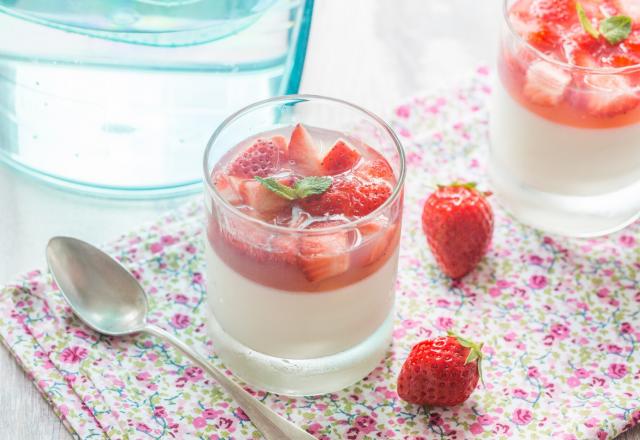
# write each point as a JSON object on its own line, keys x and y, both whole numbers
{"x": 301, "y": 377}
{"x": 572, "y": 216}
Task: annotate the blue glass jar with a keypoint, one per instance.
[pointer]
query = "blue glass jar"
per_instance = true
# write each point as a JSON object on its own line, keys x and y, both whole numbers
{"x": 118, "y": 97}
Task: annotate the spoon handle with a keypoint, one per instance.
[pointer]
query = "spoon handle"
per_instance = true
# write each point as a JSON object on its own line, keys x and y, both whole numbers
{"x": 271, "y": 425}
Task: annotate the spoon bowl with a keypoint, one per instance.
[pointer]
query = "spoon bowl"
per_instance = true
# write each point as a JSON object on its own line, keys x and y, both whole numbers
{"x": 100, "y": 291}
{"x": 107, "y": 298}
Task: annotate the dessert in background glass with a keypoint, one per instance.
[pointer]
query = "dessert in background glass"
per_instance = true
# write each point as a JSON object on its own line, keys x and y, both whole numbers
{"x": 565, "y": 119}
{"x": 304, "y": 205}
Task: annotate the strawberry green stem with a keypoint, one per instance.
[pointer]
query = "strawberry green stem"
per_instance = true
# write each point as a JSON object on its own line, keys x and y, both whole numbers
{"x": 469, "y": 185}
{"x": 475, "y": 351}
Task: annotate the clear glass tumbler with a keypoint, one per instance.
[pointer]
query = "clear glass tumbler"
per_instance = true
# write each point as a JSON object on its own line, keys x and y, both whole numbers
{"x": 565, "y": 149}
{"x": 271, "y": 324}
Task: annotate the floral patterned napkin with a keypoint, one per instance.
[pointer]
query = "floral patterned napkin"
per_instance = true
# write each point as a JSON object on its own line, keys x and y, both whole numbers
{"x": 559, "y": 318}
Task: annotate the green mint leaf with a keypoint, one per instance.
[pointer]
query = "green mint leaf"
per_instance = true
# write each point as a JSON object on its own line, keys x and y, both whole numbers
{"x": 284, "y": 191}
{"x": 310, "y": 186}
{"x": 615, "y": 29}
{"x": 585, "y": 22}
{"x": 306, "y": 187}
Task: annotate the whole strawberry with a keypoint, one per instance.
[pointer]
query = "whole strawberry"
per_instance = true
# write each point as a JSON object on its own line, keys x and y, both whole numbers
{"x": 440, "y": 372}
{"x": 458, "y": 223}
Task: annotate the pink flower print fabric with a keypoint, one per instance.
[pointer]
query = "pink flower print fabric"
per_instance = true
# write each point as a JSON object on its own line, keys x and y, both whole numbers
{"x": 558, "y": 318}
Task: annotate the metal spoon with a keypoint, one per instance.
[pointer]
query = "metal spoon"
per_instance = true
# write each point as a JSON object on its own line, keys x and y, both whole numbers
{"x": 107, "y": 298}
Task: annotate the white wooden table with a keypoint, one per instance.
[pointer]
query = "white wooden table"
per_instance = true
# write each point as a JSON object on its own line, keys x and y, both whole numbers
{"x": 372, "y": 52}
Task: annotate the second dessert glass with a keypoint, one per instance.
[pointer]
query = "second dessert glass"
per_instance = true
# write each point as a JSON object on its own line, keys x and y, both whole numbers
{"x": 276, "y": 323}
{"x": 565, "y": 122}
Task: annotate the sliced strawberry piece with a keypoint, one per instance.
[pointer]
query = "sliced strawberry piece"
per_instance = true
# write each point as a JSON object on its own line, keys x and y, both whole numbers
{"x": 323, "y": 256}
{"x": 283, "y": 146}
{"x": 236, "y": 183}
{"x": 382, "y": 237}
{"x": 261, "y": 159}
{"x": 225, "y": 188}
{"x": 302, "y": 152}
{"x": 543, "y": 39}
{"x": 370, "y": 228}
{"x": 384, "y": 246}
{"x": 336, "y": 200}
{"x": 594, "y": 10}
{"x": 581, "y": 57}
{"x": 633, "y": 42}
{"x": 349, "y": 197}
{"x": 523, "y": 24}
{"x": 623, "y": 60}
{"x": 609, "y": 95}
{"x": 256, "y": 195}
{"x": 339, "y": 159}
{"x": 545, "y": 83}
{"x": 521, "y": 8}
{"x": 376, "y": 168}
{"x": 555, "y": 11}
{"x": 368, "y": 197}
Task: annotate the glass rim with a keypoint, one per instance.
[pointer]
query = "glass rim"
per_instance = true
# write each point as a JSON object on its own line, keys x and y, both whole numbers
{"x": 563, "y": 64}
{"x": 397, "y": 190}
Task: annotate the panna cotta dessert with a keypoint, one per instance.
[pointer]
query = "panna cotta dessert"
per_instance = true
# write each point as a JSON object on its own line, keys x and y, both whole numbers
{"x": 565, "y": 116}
{"x": 303, "y": 229}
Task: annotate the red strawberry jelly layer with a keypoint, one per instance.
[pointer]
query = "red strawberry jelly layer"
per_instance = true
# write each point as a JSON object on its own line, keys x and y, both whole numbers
{"x": 294, "y": 260}
{"x": 284, "y": 262}
{"x": 570, "y": 95}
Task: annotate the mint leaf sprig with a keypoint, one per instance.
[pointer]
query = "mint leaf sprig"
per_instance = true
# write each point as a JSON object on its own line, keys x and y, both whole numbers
{"x": 306, "y": 187}
{"x": 614, "y": 29}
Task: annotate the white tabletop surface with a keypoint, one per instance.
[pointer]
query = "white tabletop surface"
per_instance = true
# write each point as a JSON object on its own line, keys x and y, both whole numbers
{"x": 371, "y": 52}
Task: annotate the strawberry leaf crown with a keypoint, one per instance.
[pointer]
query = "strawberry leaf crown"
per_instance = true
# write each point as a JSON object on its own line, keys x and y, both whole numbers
{"x": 469, "y": 185}
{"x": 475, "y": 351}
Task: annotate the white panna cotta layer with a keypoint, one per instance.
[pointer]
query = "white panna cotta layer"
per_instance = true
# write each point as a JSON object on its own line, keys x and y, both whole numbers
{"x": 298, "y": 325}
{"x": 571, "y": 181}
{"x": 559, "y": 159}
